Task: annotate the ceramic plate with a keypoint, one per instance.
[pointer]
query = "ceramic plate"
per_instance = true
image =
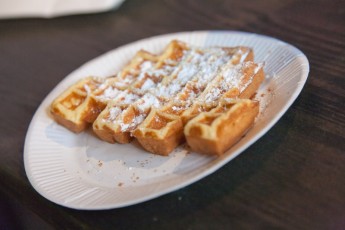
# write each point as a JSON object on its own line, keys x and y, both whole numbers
{"x": 81, "y": 172}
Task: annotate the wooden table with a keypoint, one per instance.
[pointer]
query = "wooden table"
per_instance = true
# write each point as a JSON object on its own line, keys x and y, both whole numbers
{"x": 292, "y": 178}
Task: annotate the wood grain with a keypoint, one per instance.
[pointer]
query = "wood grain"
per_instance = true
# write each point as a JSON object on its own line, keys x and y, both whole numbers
{"x": 292, "y": 178}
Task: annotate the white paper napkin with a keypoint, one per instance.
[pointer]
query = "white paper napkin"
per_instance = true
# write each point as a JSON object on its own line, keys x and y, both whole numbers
{"x": 53, "y": 8}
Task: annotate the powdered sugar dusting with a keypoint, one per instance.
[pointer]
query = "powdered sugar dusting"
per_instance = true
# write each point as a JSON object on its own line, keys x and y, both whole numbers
{"x": 124, "y": 82}
{"x": 109, "y": 93}
{"x": 146, "y": 65}
{"x": 183, "y": 82}
{"x": 147, "y": 84}
{"x": 114, "y": 112}
{"x": 147, "y": 101}
{"x": 228, "y": 78}
{"x": 87, "y": 88}
{"x": 212, "y": 95}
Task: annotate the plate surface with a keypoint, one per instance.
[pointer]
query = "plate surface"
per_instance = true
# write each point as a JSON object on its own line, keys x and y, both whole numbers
{"x": 81, "y": 172}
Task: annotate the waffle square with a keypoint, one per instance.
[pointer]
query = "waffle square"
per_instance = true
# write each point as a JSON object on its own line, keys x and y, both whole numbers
{"x": 216, "y": 131}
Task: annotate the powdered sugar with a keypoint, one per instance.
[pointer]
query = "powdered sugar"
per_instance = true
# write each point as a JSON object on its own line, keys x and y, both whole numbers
{"x": 147, "y": 101}
{"x": 87, "y": 88}
{"x": 114, "y": 112}
{"x": 231, "y": 77}
{"x": 146, "y": 65}
{"x": 147, "y": 84}
{"x": 212, "y": 95}
{"x": 136, "y": 121}
{"x": 124, "y": 82}
{"x": 127, "y": 98}
{"x": 109, "y": 93}
{"x": 183, "y": 82}
{"x": 197, "y": 65}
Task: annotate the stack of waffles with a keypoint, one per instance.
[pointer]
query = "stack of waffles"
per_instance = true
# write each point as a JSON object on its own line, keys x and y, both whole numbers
{"x": 201, "y": 95}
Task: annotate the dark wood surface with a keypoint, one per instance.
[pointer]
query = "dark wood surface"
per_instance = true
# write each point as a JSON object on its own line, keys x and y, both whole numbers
{"x": 292, "y": 178}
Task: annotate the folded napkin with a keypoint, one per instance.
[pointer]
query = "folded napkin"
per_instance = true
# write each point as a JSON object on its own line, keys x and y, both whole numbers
{"x": 53, "y": 8}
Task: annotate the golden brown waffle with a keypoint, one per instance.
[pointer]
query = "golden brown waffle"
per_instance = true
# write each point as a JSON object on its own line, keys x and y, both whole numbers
{"x": 197, "y": 66}
{"x": 216, "y": 131}
{"x": 162, "y": 99}
{"x": 230, "y": 82}
{"x": 74, "y": 107}
{"x": 167, "y": 63}
{"x": 81, "y": 104}
{"x": 239, "y": 81}
{"x": 160, "y": 132}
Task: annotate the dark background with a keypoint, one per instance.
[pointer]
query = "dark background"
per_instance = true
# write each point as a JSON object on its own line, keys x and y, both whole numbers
{"x": 292, "y": 178}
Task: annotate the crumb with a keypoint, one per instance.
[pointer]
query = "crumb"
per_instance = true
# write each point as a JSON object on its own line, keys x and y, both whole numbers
{"x": 187, "y": 148}
{"x": 120, "y": 184}
{"x": 100, "y": 163}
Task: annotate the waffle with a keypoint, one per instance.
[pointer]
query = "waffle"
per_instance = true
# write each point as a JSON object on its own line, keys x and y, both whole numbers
{"x": 80, "y": 105}
{"x": 215, "y": 131}
{"x": 106, "y": 126}
{"x": 201, "y": 95}
{"x": 197, "y": 66}
{"x": 240, "y": 81}
{"x": 233, "y": 81}
{"x": 74, "y": 107}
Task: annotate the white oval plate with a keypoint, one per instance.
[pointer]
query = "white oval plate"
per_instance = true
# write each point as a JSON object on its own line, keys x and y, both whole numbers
{"x": 82, "y": 172}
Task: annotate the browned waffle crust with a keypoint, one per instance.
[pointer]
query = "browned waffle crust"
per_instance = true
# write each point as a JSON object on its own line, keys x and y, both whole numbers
{"x": 201, "y": 94}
